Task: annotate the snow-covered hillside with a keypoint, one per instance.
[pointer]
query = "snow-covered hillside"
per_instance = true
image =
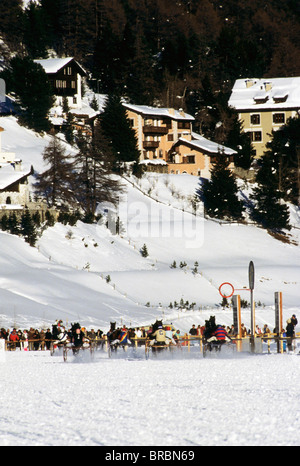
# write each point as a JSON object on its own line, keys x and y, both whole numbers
{"x": 181, "y": 399}
{"x": 86, "y": 273}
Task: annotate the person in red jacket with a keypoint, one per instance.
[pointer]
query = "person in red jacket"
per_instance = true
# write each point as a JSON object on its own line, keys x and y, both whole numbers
{"x": 219, "y": 334}
{"x": 14, "y": 338}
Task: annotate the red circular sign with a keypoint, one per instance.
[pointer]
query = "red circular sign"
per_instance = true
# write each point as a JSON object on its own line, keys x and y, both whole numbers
{"x": 226, "y": 295}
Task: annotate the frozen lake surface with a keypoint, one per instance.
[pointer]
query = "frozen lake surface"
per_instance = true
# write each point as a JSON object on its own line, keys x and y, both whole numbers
{"x": 228, "y": 400}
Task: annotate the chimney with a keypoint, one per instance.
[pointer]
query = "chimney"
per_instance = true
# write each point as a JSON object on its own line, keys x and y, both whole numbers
{"x": 268, "y": 86}
{"x": 249, "y": 83}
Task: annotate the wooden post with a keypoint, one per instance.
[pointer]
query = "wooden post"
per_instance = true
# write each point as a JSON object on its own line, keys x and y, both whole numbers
{"x": 278, "y": 320}
{"x": 236, "y": 299}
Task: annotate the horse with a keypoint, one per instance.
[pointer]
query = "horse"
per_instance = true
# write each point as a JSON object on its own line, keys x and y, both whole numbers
{"x": 117, "y": 338}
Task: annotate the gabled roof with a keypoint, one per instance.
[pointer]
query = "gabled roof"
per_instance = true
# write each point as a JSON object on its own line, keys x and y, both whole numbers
{"x": 9, "y": 176}
{"x": 159, "y": 112}
{"x": 53, "y": 65}
{"x": 259, "y": 94}
{"x": 203, "y": 144}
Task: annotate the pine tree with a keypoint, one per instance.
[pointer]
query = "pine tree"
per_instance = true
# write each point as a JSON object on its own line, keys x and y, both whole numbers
{"x": 283, "y": 152}
{"x": 27, "y": 228}
{"x": 220, "y": 193}
{"x": 240, "y": 141}
{"x": 34, "y": 93}
{"x": 4, "y": 222}
{"x": 55, "y": 184}
{"x": 13, "y": 224}
{"x": 269, "y": 210}
{"x": 118, "y": 131}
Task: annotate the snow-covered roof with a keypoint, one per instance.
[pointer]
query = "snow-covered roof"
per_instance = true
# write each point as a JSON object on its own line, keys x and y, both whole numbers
{"x": 145, "y": 110}
{"x": 9, "y": 176}
{"x": 153, "y": 162}
{"x": 259, "y": 94}
{"x": 53, "y": 65}
{"x": 200, "y": 142}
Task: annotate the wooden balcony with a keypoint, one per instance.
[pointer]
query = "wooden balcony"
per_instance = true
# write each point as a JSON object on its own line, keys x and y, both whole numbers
{"x": 150, "y": 144}
{"x": 151, "y": 129}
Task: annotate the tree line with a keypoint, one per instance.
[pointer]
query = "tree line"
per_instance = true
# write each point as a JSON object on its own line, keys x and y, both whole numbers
{"x": 172, "y": 53}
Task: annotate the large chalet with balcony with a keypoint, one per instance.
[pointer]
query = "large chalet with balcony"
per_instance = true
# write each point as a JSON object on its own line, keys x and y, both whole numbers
{"x": 167, "y": 143}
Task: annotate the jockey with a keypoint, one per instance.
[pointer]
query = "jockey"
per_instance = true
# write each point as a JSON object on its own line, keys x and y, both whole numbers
{"x": 122, "y": 338}
{"x": 62, "y": 335}
{"x": 219, "y": 334}
{"x": 78, "y": 337}
{"x": 159, "y": 337}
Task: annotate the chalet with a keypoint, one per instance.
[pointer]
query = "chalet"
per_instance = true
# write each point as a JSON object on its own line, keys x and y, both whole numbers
{"x": 167, "y": 142}
{"x": 157, "y": 129}
{"x": 264, "y": 105}
{"x": 65, "y": 76}
{"x": 196, "y": 156}
{"x": 14, "y": 192}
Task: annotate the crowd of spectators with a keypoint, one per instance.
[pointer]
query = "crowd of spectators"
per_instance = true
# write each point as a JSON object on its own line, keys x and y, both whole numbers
{"x": 34, "y": 339}
{"x": 37, "y": 339}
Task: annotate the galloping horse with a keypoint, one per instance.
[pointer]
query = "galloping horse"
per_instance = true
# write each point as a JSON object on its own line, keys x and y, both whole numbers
{"x": 117, "y": 338}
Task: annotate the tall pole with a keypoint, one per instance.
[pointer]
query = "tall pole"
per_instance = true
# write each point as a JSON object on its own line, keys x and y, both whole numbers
{"x": 251, "y": 287}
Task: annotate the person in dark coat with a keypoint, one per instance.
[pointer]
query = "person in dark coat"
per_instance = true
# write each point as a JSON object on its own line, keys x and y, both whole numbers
{"x": 290, "y": 334}
{"x": 294, "y": 320}
{"x": 48, "y": 336}
{"x": 193, "y": 331}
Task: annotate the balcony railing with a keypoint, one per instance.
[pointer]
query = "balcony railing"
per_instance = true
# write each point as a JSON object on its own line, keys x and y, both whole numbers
{"x": 151, "y": 129}
{"x": 150, "y": 144}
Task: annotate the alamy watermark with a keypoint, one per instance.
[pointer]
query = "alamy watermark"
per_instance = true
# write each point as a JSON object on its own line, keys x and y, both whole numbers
{"x": 141, "y": 220}
{"x": 2, "y": 90}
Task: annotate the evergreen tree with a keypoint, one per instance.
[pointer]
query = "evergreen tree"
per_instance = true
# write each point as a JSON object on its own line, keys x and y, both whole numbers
{"x": 13, "y": 224}
{"x": 118, "y": 131}
{"x": 220, "y": 193}
{"x": 283, "y": 152}
{"x": 34, "y": 93}
{"x": 268, "y": 209}
{"x": 240, "y": 141}
{"x": 27, "y": 228}
{"x": 35, "y": 31}
{"x": 55, "y": 184}
{"x": 4, "y": 222}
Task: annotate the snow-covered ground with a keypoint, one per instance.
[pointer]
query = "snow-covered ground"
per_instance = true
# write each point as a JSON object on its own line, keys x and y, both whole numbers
{"x": 243, "y": 399}
{"x": 246, "y": 400}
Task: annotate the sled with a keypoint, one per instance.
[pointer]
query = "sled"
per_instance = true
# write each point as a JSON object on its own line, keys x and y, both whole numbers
{"x": 215, "y": 347}
{"x": 87, "y": 345}
{"x": 157, "y": 349}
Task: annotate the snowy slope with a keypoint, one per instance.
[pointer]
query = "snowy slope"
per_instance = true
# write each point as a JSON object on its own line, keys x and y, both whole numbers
{"x": 180, "y": 400}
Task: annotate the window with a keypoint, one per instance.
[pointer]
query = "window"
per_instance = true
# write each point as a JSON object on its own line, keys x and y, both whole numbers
{"x": 190, "y": 159}
{"x": 278, "y": 118}
{"x": 255, "y": 119}
{"x": 184, "y": 125}
{"x": 61, "y": 83}
{"x": 256, "y": 136}
{"x": 170, "y": 137}
{"x": 73, "y": 84}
